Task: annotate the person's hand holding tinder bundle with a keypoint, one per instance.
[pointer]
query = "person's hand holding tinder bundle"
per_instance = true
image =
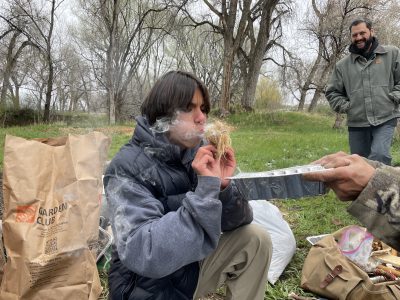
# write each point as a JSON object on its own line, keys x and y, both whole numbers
{"x": 218, "y": 135}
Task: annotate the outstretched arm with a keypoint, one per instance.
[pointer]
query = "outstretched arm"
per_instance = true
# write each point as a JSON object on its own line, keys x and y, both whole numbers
{"x": 347, "y": 175}
{"x": 374, "y": 187}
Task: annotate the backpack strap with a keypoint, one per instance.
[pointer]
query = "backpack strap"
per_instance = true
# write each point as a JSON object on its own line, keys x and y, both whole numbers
{"x": 329, "y": 278}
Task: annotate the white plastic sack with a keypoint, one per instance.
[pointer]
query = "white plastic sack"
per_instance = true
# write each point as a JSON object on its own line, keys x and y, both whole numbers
{"x": 283, "y": 242}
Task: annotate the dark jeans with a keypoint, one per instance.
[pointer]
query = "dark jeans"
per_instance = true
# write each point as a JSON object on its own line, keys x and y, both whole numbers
{"x": 373, "y": 142}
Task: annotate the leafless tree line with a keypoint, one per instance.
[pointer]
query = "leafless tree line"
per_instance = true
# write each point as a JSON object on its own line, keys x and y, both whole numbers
{"x": 103, "y": 55}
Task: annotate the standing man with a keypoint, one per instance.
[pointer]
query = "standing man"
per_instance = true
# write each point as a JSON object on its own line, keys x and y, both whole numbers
{"x": 366, "y": 86}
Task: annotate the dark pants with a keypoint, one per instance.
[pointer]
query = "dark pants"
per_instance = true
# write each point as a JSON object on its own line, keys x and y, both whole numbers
{"x": 373, "y": 142}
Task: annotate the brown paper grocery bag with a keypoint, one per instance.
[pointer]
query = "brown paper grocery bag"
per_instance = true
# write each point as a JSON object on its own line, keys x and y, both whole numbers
{"x": 2, "y": 255}
{"x": 52, "y": 193}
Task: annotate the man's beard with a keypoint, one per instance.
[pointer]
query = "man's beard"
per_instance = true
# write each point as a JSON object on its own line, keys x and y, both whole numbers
{"x": 367, "y": 44}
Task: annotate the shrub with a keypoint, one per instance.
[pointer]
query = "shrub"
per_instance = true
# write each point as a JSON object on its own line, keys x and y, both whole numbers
{"x": 268, "y": 95}
{"x": 18, "y": 117}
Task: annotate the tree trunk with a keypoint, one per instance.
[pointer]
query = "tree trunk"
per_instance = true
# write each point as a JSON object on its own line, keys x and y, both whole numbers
{"x": 315, "y": 99}
{"x": 258, "y": 49}
{"x": 16, "y": 102}
{"x": 321, "y": 82}
{"x": 86, "y": 93}
{"x": 119, "y": 101}
{"x": 251, "y": 78}
{"x": 250, "y": 84}
{"x": 226, "y": 80}
{"x": 10, "y": 62}
{"x": 49, "y": 88}
{"x": 71, "y": 103}
{"x": 310, "y": 77}
{"x": 39, "y": 104}
{"x": 111, "y": 108}
{"x": 46, "y": 114}
{"x": 6, "y": 85}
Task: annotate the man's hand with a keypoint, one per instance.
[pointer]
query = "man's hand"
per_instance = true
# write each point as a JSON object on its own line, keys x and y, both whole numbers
{"x": 347, "y": 175}
{"x": 206, "y": 164}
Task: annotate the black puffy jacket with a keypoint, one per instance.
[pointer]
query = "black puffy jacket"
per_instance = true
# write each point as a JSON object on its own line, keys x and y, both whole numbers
{"x": 165, "y": 219}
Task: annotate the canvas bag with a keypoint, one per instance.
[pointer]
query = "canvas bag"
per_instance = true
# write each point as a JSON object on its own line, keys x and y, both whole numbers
{"x": 52, "y": 190}
{"x": 327, "y": 272}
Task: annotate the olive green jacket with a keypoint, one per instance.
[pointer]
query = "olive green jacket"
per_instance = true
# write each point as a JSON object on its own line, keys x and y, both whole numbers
{"x": 367, "y": 91}
{"x": 378, "y": 205}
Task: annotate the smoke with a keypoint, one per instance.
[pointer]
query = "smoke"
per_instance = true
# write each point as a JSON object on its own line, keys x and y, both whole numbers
{"x": 161, "y": 125}
{"x": 186, "y": 130}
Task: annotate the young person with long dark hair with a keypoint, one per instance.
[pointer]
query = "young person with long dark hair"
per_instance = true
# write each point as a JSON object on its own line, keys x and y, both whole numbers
{"x": 181, "y": 227}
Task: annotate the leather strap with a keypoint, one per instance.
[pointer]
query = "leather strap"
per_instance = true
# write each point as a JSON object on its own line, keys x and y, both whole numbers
{"x": 329, "y": 278}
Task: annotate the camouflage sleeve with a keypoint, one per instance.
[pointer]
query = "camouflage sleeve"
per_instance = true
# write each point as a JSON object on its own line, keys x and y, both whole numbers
{"x": 378, "y": 205}
{"x": 374, "y": 163}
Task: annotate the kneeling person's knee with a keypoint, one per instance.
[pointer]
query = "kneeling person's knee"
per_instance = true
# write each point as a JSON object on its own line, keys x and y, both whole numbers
{"x": 257, "y": 236}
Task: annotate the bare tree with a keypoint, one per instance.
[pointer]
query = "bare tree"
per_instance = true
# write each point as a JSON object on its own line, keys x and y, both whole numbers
{"x": 73, "y": 83}
{"x": 14, "y": 41}
{"x": 14, "y": 50}
{"x": 386, "y": 22}
{"x": 234, "y": 21}
{"x": 40, "y": 18}
{"x": 36, "y": 80}
{"x": 118, "y": 34}
{"x": 261, "y": 37}
{"x": 231, "y": 23}
{"x": 200, "y": 51}
{"x": 156, "y": 61}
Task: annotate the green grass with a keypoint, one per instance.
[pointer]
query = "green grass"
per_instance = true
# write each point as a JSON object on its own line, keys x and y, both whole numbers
{"x": 307, "y": 216}
{"x": 266, "y": 141}
{"x": 262, "y": 141}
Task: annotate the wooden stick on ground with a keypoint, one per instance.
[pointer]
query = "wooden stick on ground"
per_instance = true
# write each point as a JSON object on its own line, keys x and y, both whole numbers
{"x": 389, "y": 270}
